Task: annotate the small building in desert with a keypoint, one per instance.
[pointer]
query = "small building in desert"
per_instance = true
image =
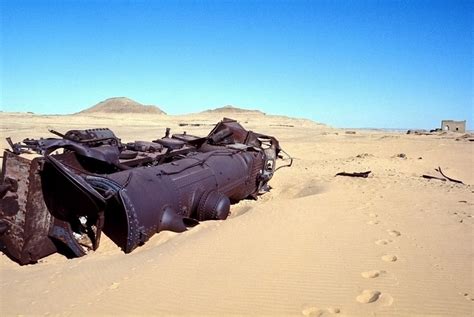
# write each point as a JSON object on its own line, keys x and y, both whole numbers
{"x": 455, "y": 126}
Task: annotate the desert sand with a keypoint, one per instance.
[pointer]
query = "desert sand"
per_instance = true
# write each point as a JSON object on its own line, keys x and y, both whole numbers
{"x": 392, "y": 244}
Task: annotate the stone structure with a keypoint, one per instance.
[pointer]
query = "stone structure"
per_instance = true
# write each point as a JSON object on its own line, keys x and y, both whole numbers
{"x": 455, "y": 126}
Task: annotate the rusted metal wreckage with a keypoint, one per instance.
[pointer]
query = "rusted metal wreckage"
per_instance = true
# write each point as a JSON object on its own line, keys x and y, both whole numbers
{"x": 61, "y": 202}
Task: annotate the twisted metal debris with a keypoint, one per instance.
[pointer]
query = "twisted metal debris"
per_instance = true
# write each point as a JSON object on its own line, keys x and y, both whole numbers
{"x": 63, "y": 202}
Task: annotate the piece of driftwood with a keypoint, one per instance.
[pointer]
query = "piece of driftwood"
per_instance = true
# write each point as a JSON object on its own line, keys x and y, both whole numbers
{"x": 441, "y": 178}
{"x": 448, "y": 178}
{"x": 433, "y": 177}
{"x": 355, "y": 174}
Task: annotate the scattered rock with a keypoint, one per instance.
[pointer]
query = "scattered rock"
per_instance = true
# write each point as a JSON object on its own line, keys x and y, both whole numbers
{"x": 190, "y": 124}
{"x": 282, "y": 125}
{"x": 418, "y": 132}
{"x": 363, "y": 155}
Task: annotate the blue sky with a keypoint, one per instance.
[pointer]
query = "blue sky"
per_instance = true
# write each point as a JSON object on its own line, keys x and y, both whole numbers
{"x": 388, "y": 64}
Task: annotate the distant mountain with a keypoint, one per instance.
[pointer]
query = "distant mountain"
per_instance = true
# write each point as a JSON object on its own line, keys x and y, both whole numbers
{"x": 233, "y": 110}
{"x": 122, "y": 105}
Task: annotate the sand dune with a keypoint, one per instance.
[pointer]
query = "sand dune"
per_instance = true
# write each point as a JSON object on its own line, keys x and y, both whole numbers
{"x": 392, "y": 244}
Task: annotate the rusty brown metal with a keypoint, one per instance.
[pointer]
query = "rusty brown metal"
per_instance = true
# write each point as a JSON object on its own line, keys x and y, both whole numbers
{"x": 24, "y": 217}
{"x": 62, "y": 202}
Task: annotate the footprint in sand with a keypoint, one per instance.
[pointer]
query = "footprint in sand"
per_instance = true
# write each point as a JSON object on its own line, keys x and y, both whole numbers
{"x": 372, "y": 274}
{"x": 368, "y": 296}
{"x": 309, "y": 190}
{"x": 394, "y": 233}
{"x": 373, "y": 222}
{"x": 334, "y": 310}
{"x": 373, "y": 215}
{"x": 382, "y": 242}
{"x": 313, "y": 311}
{"x": 389, "y": 258}
{"x": 468, "y": 297}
